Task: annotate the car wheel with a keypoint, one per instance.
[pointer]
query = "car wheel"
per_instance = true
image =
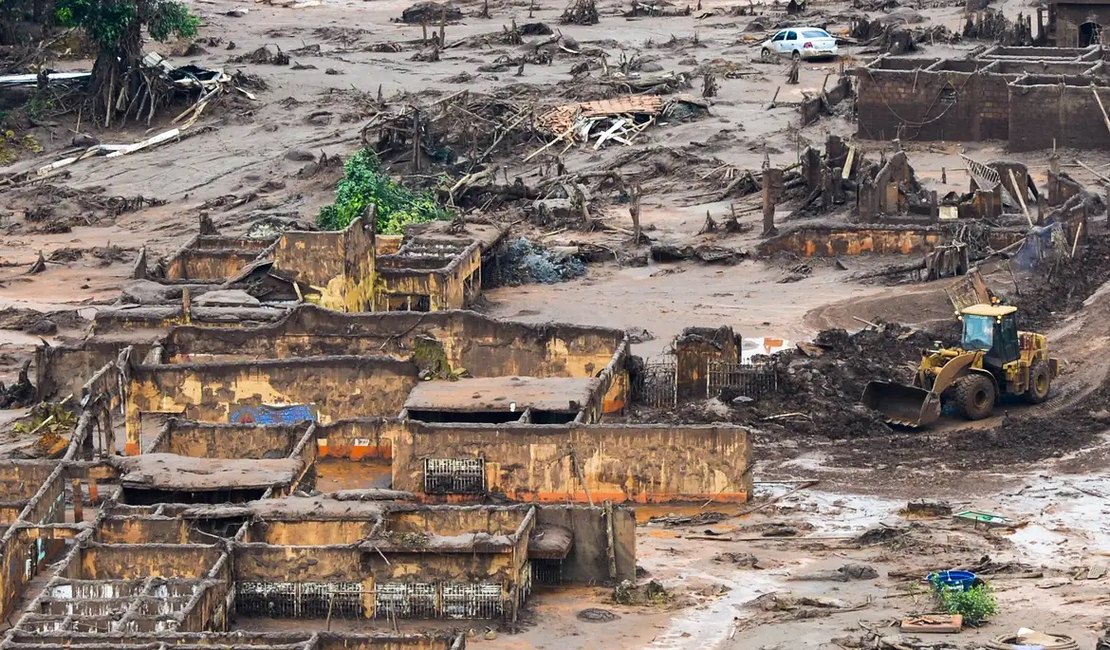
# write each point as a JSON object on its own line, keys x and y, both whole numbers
{"x": 765, "y": 54}
{"x": 797, "y": 56}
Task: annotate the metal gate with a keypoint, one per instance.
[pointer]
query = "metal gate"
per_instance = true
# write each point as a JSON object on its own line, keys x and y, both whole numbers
{"x": 299, "y": 599}
{"x": 393, "y": 600}
{"x": 752, "y": 380}
{"x": 660, "y": 382}
{"x": 454, "y": 475}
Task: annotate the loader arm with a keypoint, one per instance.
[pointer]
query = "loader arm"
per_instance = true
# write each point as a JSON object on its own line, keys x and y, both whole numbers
{"x": 954, "y": 369}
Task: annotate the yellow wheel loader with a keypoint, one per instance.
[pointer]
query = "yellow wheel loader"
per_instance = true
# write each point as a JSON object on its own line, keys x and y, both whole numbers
{"x": 993, "y": 359}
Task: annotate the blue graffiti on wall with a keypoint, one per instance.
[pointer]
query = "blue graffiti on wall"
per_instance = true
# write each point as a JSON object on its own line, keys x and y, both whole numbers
{"x": 271, "y": 414}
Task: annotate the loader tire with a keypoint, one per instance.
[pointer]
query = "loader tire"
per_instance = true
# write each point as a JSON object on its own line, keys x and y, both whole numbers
{"x": 1040, "y": 381}
{"x": 975, "y": 395}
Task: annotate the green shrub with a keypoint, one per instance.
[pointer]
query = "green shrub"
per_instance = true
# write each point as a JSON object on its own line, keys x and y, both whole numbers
{"x": 364, "y": 183}
{"x": 975, "y": 604}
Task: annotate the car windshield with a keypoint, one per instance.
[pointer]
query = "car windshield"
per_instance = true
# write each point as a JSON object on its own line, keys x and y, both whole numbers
{"x": 978, "y": 332}
{"x": 816, "y": 33}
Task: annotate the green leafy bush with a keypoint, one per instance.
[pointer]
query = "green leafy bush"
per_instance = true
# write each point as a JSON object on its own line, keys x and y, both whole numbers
{"x": 108, "y": 22}
{"x": 976, "y": 604}
{"x": 364, "y": 183}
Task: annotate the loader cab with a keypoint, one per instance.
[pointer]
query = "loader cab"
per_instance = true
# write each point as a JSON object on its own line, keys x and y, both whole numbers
{"x": 991, "y": 329}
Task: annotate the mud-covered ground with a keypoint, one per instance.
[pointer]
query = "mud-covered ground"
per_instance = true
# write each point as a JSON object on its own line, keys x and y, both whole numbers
{"x": 350, "y": 61}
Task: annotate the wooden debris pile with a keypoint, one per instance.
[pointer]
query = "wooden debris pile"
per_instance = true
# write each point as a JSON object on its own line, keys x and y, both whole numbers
{"x": 459, "y": 133}
{"x": 991, "y": 25}
{"x": 617, "y": 120}
{"x": 430, "y": 13}
{"x": 581, "y": 12}
{"x": 166, "y": 82}
{"x": 656, "y": 9}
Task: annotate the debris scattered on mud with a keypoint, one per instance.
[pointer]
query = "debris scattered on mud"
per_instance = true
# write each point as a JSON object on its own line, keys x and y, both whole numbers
{"x": 581, "y": 12}
{"x": 597, "y": 615}
{"x": 39, "y": 323}
{"x": 431, "y": 13}
{"x": 879, "y": 535}
{"x": 525, "y": 262}
{"x": 649, "y": 593}
{"x": 828, "y": 380}
{"x": 19, "y": 394}
{"x": 845, "y": 573}
{"x": 1064, "y": 285}
{"x": 700, "y": 519}
{"x": 263, "y": 56}
{"x": 745, "y": 560}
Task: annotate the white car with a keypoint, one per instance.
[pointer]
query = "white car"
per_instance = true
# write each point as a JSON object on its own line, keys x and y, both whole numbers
{"x": 799, "y": 43}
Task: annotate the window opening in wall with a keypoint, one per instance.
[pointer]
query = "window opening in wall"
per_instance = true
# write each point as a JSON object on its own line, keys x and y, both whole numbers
{"x": 454, "y": 476}
{"x": 1090, "y": 34}
{"x": 409, "y": 302}
{"x": 948, "y": 95}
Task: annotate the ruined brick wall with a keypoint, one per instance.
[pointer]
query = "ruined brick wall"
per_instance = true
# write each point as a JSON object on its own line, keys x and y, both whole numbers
{"x": 300, "y": 563}
{"x": 210, "y": 440}
{"x": 62, "y": 370}
{"x": 1069, "y": 114}
{"x": 147, "y": 530}
{"x": 20, "y": 480}
{"x": 309, "y": 532}
{"x": 828, "y": 241}
{"x": 365, "y": 438}
{"x": 208, "y": 264}
{"x": 941, "y": 105}
{"x": 1070, "y": 17}
{"x": 456, "y": 521}
{"x": 812, "y": 108}
{"x": 694, "y": 349}
{"x": 589, "y": 556}
{"x": 332, "y": 388}
{"x": 138, "y": 561}
{"x": 36, "y": 491}
{"x": 445, "y": 287}
{"x": 634, "y": 463}
{"x": 486, "y": 347}
{"x": 339, "y": 265}
{"x": 1062, "y": 187}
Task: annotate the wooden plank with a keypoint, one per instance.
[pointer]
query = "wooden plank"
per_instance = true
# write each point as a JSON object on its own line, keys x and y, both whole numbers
{"x": 933, "y": 624}
{"x": 848, "y": 163}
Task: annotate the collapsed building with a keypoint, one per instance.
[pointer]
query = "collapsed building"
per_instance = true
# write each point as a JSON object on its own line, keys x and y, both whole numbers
{"x": 849, "y": 205}
{"x": 442, "y": 398}
{"x": 351, "y": 270}
{"x": 1074, "y": 23}
{"x": 234, "y": 464}
{"x": 1031, "y": 97}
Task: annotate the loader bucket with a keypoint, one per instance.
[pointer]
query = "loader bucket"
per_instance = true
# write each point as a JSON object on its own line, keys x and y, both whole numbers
{"x": 901, "y": 404}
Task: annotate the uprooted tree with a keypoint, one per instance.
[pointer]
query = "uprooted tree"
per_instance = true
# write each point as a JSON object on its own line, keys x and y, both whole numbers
{"x": 121, "y": 88}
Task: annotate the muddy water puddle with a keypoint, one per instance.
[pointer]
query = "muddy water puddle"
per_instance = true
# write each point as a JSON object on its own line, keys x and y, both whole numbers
{"x": 333, "y": 474}
{"x": 1066, "y": 517}
{"x": 709, "y": 626}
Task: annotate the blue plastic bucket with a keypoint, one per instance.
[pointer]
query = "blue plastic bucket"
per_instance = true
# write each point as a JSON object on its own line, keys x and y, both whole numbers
{"x": 961, "y": 580}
